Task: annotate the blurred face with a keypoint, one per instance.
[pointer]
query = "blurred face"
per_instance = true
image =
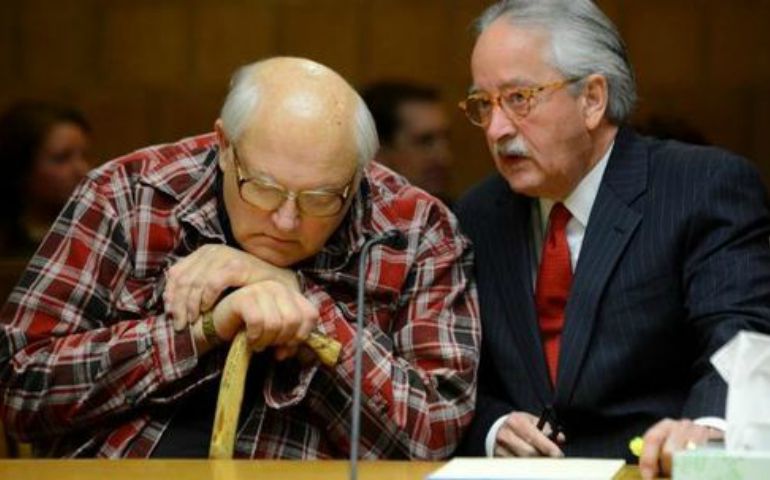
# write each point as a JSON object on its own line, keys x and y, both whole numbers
{"x": 420, "y": 148}
{"x": 286, "y": 160}
{"x": 546, "y": 152}
{"x": 60, "y": 164}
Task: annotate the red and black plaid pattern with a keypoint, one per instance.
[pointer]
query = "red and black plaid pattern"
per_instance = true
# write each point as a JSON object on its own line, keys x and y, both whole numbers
{"x": 90, "y": 364}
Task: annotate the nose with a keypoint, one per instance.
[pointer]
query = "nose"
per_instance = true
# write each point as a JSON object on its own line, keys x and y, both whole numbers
{"x": 500, "y": 125}
{"x": 286, "y": 217}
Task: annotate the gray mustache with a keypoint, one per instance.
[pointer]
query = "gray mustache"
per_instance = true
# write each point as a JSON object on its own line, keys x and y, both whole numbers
{"x": 511, "y": 147}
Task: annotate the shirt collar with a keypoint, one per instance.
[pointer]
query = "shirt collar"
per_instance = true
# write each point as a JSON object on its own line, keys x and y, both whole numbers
{"x": 580, "y": 201}
{"x": 199, "y": 207}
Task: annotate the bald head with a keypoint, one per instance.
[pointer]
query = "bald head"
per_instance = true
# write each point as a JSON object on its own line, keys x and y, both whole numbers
{"x": 284, "y": 95}
{"x": 292, "y": 130}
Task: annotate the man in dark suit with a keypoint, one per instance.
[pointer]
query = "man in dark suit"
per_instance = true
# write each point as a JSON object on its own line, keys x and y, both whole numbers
{"x": 610, "y": 266}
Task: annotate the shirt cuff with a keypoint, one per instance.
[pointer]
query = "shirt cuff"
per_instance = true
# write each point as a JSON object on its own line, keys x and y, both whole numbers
{"x": 489, "y": 444}
{"x": 174, "y": 354}
{"x": 713, "y": 422}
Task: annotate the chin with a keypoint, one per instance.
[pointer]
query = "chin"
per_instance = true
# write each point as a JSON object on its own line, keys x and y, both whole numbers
{"x": 523, "y": 185}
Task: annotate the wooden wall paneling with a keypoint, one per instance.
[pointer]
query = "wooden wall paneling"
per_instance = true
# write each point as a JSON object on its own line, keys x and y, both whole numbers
{"x": 460, "y": 38}
{"x": 665, "y": 41}
{"x": 57, "y": 39}
{"x": 722, "y": 119}
{"x": 472, "y": 160}
{"x": 407, "y": 39}
{"x": 21, "y": 92}
{"x": 121, "y": 117}
{"x": 739, "y": 42}
{"x": 179, "y": 114}
{"x": 146, "y": 44}
{"x": 613, "y": 9}
{"x": 146, "y": 71}
{"x": 10, "y": 53}
{"x": 326, "y": 31}
{"x": 227, "y": 35}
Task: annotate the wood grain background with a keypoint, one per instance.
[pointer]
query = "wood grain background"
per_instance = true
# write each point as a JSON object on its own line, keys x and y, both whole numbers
{"x": 148, "y": 71}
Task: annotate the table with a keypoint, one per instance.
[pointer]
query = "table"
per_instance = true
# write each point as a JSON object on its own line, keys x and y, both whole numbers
{"x": 44, "y": 469}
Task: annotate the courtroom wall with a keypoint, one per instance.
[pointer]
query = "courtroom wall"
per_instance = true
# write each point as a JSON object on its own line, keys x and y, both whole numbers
{"x": 148, "y": 71}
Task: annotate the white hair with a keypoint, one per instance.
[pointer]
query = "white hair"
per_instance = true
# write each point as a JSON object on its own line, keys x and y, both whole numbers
{"x": 243, "y": 98}
{"x": 583, "y": 41}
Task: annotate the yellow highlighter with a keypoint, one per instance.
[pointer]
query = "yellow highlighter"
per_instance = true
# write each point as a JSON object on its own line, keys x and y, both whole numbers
{"x": 636, "y": 445}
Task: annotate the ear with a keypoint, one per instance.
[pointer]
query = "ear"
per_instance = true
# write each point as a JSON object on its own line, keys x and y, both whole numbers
{"x": 594, "y": 100}
{"x": 223, "y": 142}
{"x": 357, "y": 179}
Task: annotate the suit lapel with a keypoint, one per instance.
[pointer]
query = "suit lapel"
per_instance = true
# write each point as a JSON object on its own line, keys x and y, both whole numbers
{"x": 512, "y": 237}
{"x": 610, "y": 227}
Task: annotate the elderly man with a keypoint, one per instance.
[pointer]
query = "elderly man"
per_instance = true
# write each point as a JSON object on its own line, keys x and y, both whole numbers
{"x": 414, "y": 131}
{"x": 610, "y": 266}
{"x": 111, "y": 344}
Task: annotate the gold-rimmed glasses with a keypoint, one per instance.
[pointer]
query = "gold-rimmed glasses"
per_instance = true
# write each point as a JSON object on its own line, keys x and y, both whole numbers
{"x": 515, "y": 102}
{"x": 262, "y": 192}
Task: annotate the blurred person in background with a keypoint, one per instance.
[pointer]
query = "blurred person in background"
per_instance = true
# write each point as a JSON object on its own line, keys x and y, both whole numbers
{"x": 44, "y": 151}
{"x": 414, "y": 133}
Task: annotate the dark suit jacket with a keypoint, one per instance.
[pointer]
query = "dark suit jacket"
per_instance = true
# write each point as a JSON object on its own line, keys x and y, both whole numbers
{"x": 674, "y": 262}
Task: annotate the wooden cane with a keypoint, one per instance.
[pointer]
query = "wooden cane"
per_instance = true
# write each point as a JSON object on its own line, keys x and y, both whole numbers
{"x": 234, "y": 380}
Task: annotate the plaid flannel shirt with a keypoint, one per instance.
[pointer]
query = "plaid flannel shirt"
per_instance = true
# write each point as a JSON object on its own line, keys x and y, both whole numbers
{"x": 90, "y": 364}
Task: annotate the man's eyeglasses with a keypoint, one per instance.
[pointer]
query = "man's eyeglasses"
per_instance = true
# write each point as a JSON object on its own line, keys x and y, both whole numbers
{"x": 515, "y": 102}
{"x": 262, "y": 192}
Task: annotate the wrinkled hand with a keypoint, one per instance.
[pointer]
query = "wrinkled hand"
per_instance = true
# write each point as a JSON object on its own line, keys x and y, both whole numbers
{"x": 194, "y": 284}
{"x": 519, "y": 437}
{"x": 272, "y": 314}
{"x": 666, "y": 437}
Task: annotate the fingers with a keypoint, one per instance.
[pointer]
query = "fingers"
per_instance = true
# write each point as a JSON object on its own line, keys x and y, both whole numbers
{"x": 512, "y": 445}
{"x": 275, "y": 315}
{"x": 258, "y": 318}
{"x": 653, "y": 442}
{"x": 519, "y": 436}
{"x": 545, "y": 446}
{"x": 185, "y": 285}
{"x": 665, "y": 438}
{"x": 195, "y": 283}
{"x": 290, "y": 317}
{"x": 308, "y": 315}
{"x": 192, "y": 307}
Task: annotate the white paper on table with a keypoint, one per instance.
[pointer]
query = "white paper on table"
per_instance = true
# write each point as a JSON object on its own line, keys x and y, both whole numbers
{"x": 744, "y": 363}
{"x": 528, "y": 469}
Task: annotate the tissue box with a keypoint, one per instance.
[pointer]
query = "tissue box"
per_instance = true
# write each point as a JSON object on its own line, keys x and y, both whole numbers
{"x": 719, "y": 464}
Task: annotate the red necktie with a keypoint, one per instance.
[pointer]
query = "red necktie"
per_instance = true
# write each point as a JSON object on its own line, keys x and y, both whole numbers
{"x": 553, "y": 283}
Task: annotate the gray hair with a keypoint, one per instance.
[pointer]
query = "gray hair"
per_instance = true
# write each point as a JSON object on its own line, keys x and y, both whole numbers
{"x": 243, "y": 97}
{"x": 583, "y": 41}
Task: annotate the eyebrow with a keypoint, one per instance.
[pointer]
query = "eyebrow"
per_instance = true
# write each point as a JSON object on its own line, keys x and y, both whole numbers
{"x": 262, "y": 175}
{"x": 515, "y": 83}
